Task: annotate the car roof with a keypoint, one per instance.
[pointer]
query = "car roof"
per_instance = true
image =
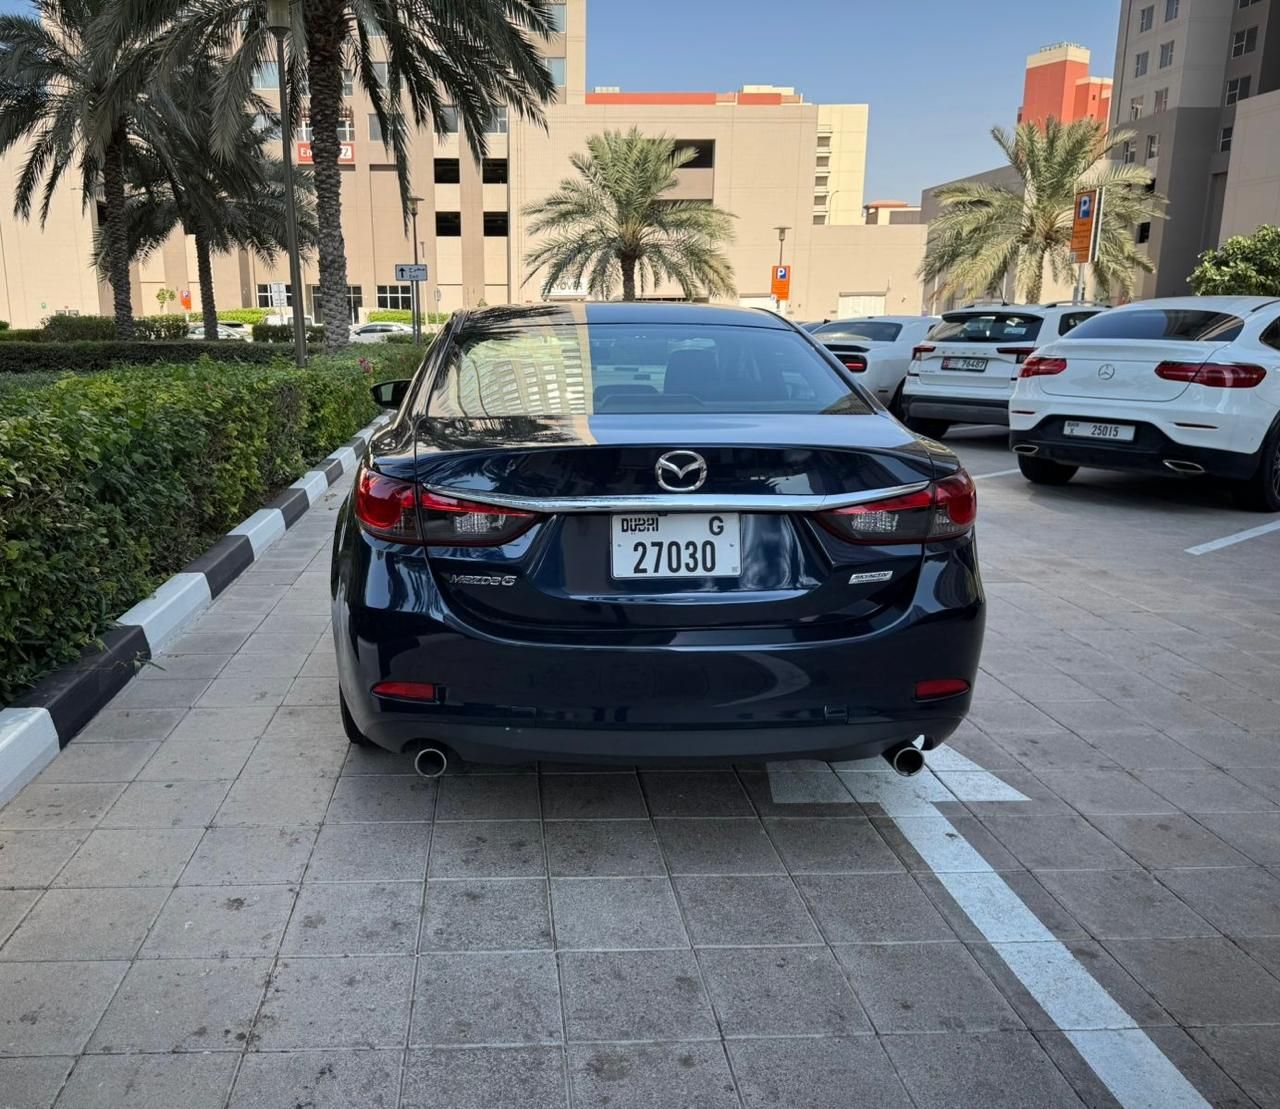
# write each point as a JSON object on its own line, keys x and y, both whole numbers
{"x": 1022, "y": 309}
{"x": 1233, "y": 305}
{"x": 624, "y": 312}
{"x": 882, "y": 319}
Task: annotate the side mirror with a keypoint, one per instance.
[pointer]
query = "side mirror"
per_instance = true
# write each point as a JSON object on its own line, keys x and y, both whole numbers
{"x": 390, "y": 394}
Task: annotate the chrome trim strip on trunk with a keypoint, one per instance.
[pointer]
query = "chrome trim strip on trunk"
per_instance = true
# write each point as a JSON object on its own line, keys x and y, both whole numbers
{"x": 676, "y": 502}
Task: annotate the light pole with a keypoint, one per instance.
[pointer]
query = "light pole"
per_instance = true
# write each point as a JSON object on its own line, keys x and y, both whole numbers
{"x": 414, "y": 201}
{"x": 280, "y": 22}
{"x": 782, "y": 238}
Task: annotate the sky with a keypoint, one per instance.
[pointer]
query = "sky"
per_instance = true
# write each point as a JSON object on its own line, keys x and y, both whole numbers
{"x": 938, "y": 74}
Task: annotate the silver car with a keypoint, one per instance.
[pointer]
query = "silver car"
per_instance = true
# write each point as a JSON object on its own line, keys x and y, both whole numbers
{"x": 378, "y": 332}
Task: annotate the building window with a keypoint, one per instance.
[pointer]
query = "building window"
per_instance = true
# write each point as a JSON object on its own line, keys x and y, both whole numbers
{"x": 824, "y": 143}
{"x": 1224, "y": 139}
{"x": 346, "y": 128}
{"x": 395, "y": 296}
{"x": 380, "y": 73}
{"x": 355, "y": 301}
{"x": 493, "y": 171}
{"x": 1147, "y": 18}
{"x": 1238, "y": 88}
{"x": 1144, "y": 231}
{"x": 1153, "y": 146}
{"x": 1161, "y": 100}
{"x": 304, "y": 129}
{"x": 448, "y": 171}
{"x": 497, "y": 124}
{"x": 375, "y": 129}
{"x": 449, "y": 120}
{"x": 495, "y": 225}
{"x": 821, "y": 181}
{"x": 1128, "y": 155}
{"x": 704, "y": 153}
{"x": 448, "y": 224}
{"x": 1166, "y": 55}
{"x": 559, "y": 17}
{"x": 1140, "y": 64}
{"x": 348, "y": 83}
{"x": 266, "y": 76}
{"x": 264, "y": 296}
{"x": 1170, "y": 10}
{"x": 1244, "y": 42}
{"x": 1135, "y": 108}
{"x": 556, "y": 66}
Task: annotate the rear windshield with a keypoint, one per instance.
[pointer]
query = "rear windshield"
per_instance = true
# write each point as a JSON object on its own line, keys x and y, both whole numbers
{"x": 1187, "y": 324}
{"x": 567, "y": 370}
{"x": 876, "y": 330}
{"x": 987, "y": 327}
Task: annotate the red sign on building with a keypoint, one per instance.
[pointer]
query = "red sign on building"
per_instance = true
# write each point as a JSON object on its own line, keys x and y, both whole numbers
{"x": 346, "y": 154}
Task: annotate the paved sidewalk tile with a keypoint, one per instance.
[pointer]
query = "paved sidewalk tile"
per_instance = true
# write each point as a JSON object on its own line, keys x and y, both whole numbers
{"x": 329, "y": 1080}
{"x": 485, "y": 1078}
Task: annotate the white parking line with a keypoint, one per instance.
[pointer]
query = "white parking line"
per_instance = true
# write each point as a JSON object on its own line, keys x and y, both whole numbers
{"x": 1128, "y": 1062}
{"x": 1234, "y": 538}
{"x": 997, "y": 473}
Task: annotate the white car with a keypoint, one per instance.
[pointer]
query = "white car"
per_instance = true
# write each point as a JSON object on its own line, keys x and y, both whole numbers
{"x": 378, "y": 332}
{"x": 877, "y": 348}
{"x": 196, "y": 331}
{"x": 963, "y": 373}
{"x": 1188, "y": 385}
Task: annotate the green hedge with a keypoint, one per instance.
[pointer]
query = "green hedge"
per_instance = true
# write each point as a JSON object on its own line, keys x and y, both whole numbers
{"x": 244, "y": 315}
{"x": 403, "y": 315}
{"x": 110, "y": 483}
{"x": 283, "y": 333}
{"x": 159, "y": 327}
{"x": 22, "y": 335}
{"x": 90, "y": 357}
{"x": 69, "y": 328}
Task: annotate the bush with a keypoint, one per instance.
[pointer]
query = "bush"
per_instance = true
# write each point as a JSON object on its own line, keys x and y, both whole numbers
{"x": 160, "y": 327}
{"x": 22, "y": 335}
{"x": 111, "y": 483}
{"x": 4, "y": 325}
{"x": 69, "y": 328}
{"x": 1245, "y": 265}
{"x": 91, "y": 357}
{"x": 403, "y": 315}
{"x": 283, "y": 333}
{"x": 244, "y": 315}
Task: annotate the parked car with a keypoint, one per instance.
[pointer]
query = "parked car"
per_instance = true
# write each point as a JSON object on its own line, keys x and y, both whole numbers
{"x": 624, "y": 532}
{"x": 242, "y": 330}
{"x": 1185, "y": 385}
{"x": 963, "y": 373}
{"x": 378, "y": 332}
{"x": 196, "y": 331}
{"x": 285, "y": 319}
{"x": 879, "y": 348}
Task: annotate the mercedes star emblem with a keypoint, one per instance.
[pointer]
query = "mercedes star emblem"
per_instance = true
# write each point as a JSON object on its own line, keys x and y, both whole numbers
{"x": 1106, "y": 371}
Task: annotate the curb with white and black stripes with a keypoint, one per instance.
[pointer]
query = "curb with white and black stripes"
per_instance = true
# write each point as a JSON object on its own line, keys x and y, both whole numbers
{"x": 46, "y": 718}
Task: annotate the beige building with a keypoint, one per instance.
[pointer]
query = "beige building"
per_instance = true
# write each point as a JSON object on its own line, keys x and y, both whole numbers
{"x": 1252, "y": 195}
{"x": 763, "y": 153}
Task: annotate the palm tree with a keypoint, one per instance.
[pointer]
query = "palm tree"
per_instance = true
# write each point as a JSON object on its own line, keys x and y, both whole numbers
{"x": 985, "y": 231}
{"x": 69, "y": 101}
{"x": 443, "y": 62}
{"x": 612, "y": 222}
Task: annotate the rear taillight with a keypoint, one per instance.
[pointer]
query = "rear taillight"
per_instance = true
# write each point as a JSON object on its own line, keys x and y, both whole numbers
{"x": 945, "y": 510}
{"x": 1020, "y": 354}
{"x": 1042, "y": 367}
{"x": 918, "y": 352}
{"x": 1213, "y": 375}
{"x": 934, "y": 689}
{"x": 408, "y": 691}
{"x": 854, "y": 362}
{"x": 403, "y": 512}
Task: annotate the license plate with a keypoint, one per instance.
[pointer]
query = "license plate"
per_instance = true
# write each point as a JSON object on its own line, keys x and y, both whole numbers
{"x": 1087, "y": 429}
{"x": 973, "y": 365}
{"x": 676, "y": 545}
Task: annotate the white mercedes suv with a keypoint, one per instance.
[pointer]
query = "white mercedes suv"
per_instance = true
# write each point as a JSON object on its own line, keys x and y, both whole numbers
{"x": 1188, "y": 385}
{"x": 963, "y": 373}
{"x": 878, "y": 349}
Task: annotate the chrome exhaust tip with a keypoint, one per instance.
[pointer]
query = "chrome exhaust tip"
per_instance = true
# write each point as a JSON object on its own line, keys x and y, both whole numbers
{"x": 1026, "y": 448}
{"x": 430, "y": 762}
{"x": 1180, "y": 467}
{"x": 907, "y": 760}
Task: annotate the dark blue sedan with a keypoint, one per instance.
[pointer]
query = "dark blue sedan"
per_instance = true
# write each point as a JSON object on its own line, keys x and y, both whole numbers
{"x": 630, "y": 532}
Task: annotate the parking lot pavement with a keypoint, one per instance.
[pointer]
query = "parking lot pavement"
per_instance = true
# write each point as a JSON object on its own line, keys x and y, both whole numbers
{"x": 209, "y": 900}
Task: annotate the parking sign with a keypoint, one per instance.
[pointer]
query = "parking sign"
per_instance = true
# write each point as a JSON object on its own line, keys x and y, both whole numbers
{"x": 780, "y": 286}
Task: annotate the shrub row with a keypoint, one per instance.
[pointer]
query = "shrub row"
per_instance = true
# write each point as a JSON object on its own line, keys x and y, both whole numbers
{"x": 110, "y": 483}
{"x": 283, "y": 333}
{"x": 92, "y": 356}
{"x": 404, "y": 315}
{"x": 22, "y": 335}
{"x": 244, "y": 315}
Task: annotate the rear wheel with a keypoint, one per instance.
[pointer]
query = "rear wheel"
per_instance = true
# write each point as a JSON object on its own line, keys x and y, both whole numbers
{"x": 349, "y": 725}
{"x": 1042, "y": 471}
{"x": 934, "y": 429}
{"x": 1261, "y": 493}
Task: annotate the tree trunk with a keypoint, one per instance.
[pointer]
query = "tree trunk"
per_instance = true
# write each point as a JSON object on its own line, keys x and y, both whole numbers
{"x": 116, "y": 234}
{"x": 204, "y": 272}
{"x": 1035, "y": 278}
{"x": 628, "y": 277}
{"x": 326, "y": 30}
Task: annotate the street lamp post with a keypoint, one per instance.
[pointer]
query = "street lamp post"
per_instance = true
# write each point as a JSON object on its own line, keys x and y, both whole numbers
{"x": 414, "y": 201}
{"x": 280, "y": 22}
{"x": 782, "y": 238}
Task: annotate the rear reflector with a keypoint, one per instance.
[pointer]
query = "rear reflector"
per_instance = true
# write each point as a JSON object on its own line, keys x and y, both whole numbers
{"x": 920, "y": 351}
{"x": 854, "y": 362}
{"x": 1213, "y": 375}
{"x": 1042, "y": 367}
{"x": 945, "y": 510}
{"x": 936, "y": 688}
{"x": 1020, "y": 354}
{"x": 407, "y": 691}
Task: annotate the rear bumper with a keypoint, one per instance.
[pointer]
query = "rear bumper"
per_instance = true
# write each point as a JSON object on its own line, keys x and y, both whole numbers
{"x": 506, "y": 701}
{"x": 957, "y": 410}
{"x": 1149, "y": 452}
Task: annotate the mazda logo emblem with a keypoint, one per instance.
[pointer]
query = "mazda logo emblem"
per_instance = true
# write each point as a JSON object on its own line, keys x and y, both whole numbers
{"x": 1106, "y": 371}
{"x": 681, "y": 471}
